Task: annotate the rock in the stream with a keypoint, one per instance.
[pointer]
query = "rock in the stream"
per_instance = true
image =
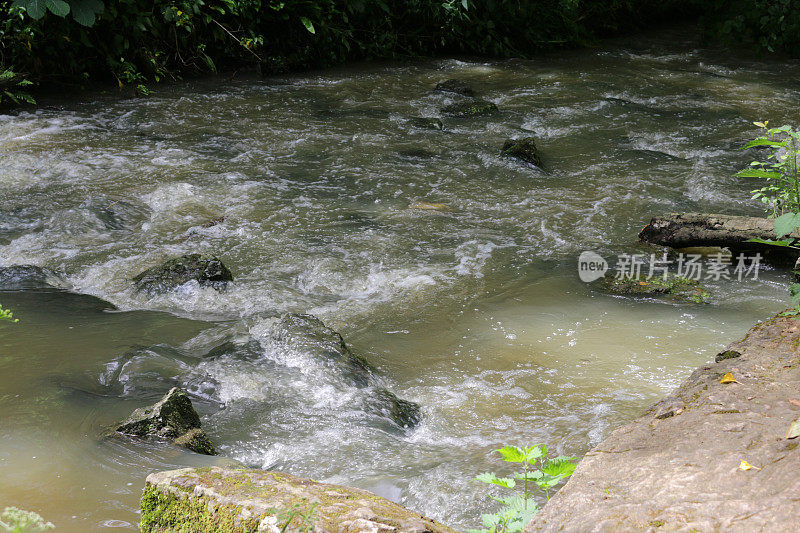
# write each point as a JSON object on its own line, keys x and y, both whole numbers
{"x": 676, "y": 286}
{"x": 221, "y": 500}
{"x": 172, "y": 418}
{"x": 472, "y": 107}
{"x": 429, "y": 123}
{"x": 208, "y": 271}
{"x": 26, "y": 277}
{"x": 523, "y": 149}
{"x": 454, "y": 86}
{"x": 310, "y": 335}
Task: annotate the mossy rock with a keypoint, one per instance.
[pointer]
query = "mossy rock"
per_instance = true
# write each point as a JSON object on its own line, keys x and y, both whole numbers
{"x": 427, "y": 123}
{"x": 523, "y": 149}
{"x": 454, "y": 86}
{"x": 222, "y": 500}
{"x": 469, "y": 108}
{"x": 207, "y": 270}
{"x": 172, "y": 418}
{"x": 678, "y": 287}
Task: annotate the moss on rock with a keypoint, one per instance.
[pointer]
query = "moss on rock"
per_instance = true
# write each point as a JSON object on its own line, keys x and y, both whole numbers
{"x": 473, "y": 107}
{"x": 219, "y": 500}
{"x": 678, "y": 287}
{"x": 523, "y": 149}
{"x": 172, "y": 418}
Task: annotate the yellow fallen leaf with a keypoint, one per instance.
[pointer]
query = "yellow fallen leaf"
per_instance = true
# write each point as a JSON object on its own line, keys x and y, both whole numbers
{"x": 794, "y": 430}
{"x": 728, "y": 378}
{"x": 744, "y": 465}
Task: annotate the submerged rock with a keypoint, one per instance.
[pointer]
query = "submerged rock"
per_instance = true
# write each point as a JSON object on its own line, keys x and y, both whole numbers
{"x": 523, "y": 149}
{"x": 676, "y": 286}
{"x": 473, "y": 107}
{"x": 208, "y": 271}
{"x": 213, "y": 499}
{"x": 454, "y": 86}
{"x": 172, "y": 418}
{"x": 429, "y": 123}
{"x": 310, "y": 335}
{"x": 26, "y": 277}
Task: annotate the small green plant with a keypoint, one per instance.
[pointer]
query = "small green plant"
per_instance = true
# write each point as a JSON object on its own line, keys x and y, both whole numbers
{"x": 781, "y": 194}
{"x": 12, "y": 88}
{"x": 6, "y": 314}
{"x": 538, "y": 472}
{"x": 18, "y": 521}
{"x": 302, "y": 516}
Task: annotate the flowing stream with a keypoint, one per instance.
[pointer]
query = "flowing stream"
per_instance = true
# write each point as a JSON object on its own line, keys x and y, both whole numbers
{"x": 472, "y": 309}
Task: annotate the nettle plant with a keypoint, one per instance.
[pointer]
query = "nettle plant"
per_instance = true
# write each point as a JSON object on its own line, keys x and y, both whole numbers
{"x": 781, "y": 194}
{"x": 538, "y": 473}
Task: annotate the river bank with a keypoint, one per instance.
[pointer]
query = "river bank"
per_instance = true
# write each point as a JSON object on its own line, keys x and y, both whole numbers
{"x": 717, "y": 454}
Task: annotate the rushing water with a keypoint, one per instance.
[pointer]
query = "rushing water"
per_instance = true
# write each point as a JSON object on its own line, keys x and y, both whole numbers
{"x": 474, "y": 311}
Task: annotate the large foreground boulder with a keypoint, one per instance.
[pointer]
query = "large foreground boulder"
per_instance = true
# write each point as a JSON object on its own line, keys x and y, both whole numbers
{"x": 218, "y": 500}
{"x": 718, "y": 454}
{"x": 207, "y": 270}
{"x": 472, "y": 107}
{"x": 523, "y": 149}
{"x": 172, "y": 418}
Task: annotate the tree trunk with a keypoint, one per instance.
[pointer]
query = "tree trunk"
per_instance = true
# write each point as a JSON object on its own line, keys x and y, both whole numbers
{"x": 687, "y": 230}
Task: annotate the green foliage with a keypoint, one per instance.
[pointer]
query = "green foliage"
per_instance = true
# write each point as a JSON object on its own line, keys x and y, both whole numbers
{"x": 134, "y": 42}
{"x": 18, "y": 521}
{"x": 7, "y": 315}
{"x": 538, "y": 472}
{"x": 766, "y": 25}
{"x": 781, "y": 194}
{"x": 11, "y": 89}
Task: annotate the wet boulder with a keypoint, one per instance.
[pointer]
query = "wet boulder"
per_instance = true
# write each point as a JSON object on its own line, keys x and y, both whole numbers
{"x": 172, "y": 418}
{"x": 472, "y": 107}
{"x": 387, "y": 405}
{"x": 676, "y": 287}
{"x": 207, "y": 270}
{"x": 523, "y": 149}
{"x": 454, "y": 86}
{"x": 27, "y": 277}
{"x": 429, "y": 123}
{"x": 310, "y": 335}
{"x": 214, "y": 499}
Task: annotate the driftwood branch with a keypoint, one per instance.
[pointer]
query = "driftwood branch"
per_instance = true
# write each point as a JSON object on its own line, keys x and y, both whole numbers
{"x": 688, "y": 230}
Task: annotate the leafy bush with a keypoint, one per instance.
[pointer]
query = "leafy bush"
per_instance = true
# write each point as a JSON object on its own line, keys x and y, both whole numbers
{"x": 781, "y": 194}
{"x": 132, "y": 42}
{"x": 537, "y": 472}
{"x": 16, "y": 520}
{"x": 767, "y": 25}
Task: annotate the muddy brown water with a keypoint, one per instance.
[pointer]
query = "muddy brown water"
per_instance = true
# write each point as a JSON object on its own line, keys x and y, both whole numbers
{"x": 474, "y": 310}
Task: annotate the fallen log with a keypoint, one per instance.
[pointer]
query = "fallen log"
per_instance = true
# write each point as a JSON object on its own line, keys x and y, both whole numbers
{"x": 689, "y": 230}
